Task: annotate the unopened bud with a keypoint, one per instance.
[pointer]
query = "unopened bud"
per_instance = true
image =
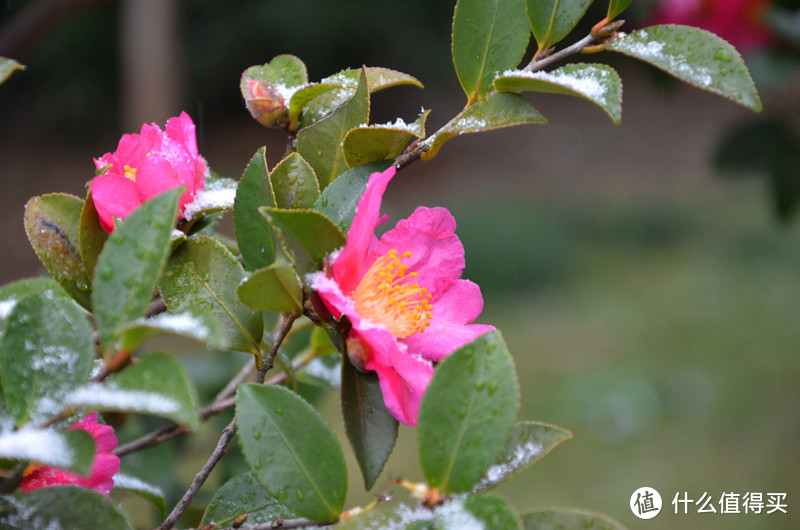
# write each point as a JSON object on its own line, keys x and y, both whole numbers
{"x": 358, "y": 353}
{"x": 264, "y": 101}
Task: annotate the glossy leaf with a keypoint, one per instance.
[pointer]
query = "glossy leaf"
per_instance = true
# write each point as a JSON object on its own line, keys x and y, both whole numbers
{"x": 377, "y": 78}
{"x": 130, "y": 263}
{"x": 370, "y": 427}
{"x": 203, "y": 273}
{"x": 695, "y": 56}
{"x": 305, "y": 95}
{"x": 244, "y": 495}
{"x": 615, "y": 7}
{"x": 62, "y": 507}
{"x": 51, "y": 223}
{"x": 557, "y": 519}
{"x": 137, "y": 486}
{"x": 339, "y": 200}
{"x": 284, "y": 71}
{"x": 489, "y": 36}
{"x": 294, "y": 184}
{"x": 494, "y": 112}
{"x": 8, "y": 67}
{"x": 72, "y": 450}
{"x": 193, "y": 323}
{"x": 307, "y": 236}
{"x": 91, "y": 236}
{"x": 156, "y": 385}
{"x": 467, "y": 413}
{"x": 374, "y": 143}
{"x": 321, "y": 144}
{"x": 291, "y": 451}
{"x": 252, "y": 231}
{"x": 597, "y": 83}
{"x": 274, "y": 288}
{"x": 529, "y": 442}
{"x": 552, "y": 20}
{"x": 490, "y": 511}
{"x": 46, "y": 351}
{"x": 324, "y": 104}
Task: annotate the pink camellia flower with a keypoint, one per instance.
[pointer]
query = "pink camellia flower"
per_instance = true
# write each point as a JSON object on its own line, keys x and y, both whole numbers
{"x": 145, "y": 165}
{"x": 104, "y": 466}
{"x": 403, "y": 295}
{"x": 740, "y": 22}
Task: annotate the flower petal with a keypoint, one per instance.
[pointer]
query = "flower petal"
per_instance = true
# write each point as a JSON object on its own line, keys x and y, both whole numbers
{"x": 452, "y": 311}
{"x": 437, "y": 254}
{"x": 181, "y": 129}
{"x": 350, "y": 265}
{"x": 114, "y": 196}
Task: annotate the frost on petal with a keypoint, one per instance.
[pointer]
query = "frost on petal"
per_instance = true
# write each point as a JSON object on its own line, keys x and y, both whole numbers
{"x": 437, "y": 254}
{"x": 350, "y": 263}
{"x": 182, "y": 129}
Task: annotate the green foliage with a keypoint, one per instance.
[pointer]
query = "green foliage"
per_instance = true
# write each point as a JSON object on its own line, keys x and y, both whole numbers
{"x": 62, "y": 507}
{"x": 568, "y": 518}
{"x": 294, "y": 184}
{"x": 244, "y": 495}
{"x": 273, "y": 288}
{"x": 597, "y": 83}
{"x": 130, "y": 264}
{"x": 91, "y": 236}
{"x": 339, "y": 200}
{"x": 374, "y": 143}
{"x": 252, "y": 231}
{"x": 291, "y": 451}
{"x": 615, "y": 7}
{"x": 46, "y": 352}
{"x": 372, "y": 430}
{"x": 52, "y": 224}
{"x": 489, "y": 36}
{"x": 153, "y": 494}
{"x": 695, "y": 56}
{"x": 203, "y": 273}
{"x": 320, "y": 144}
{"x": 467, "y": 413}
{"x": 71, "y": 450}
{"x": 194, "y": 323}
{"x": 307, "y": 236}
{"x": 552, "y": 20}
{"x": 156, "y": 385}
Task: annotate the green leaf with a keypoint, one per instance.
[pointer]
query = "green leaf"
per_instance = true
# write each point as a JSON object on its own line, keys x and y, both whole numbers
{"x": 274, "y": 288}
{"x": 294, "y": 183}
{"x": 489, "y": 36}
{"x": 494, "y": 112}
{"x": 194, "y": 323}
{"x": 137, "y": 486}
{"x": 695, "y": 56}
{"x": 72, "y": 450}
{"x": 156, "y": 385}
{"x": 377, "y": 78}
{"x": 339, "y": 200}
{"x": 244, "y": 495}
{"x": 279, "y": 80}
{"x": 321, "y": 144}
{"x": 467, "y": 413}
{"x": 291, "y": 451}
{"x": 529, "y": 442}
{"x": 8, "y": 67}
{"x": 370, "y": 427}
{"x": 63, "y": 507}
{"x": 307, "y": 236}
{"x": 552, "y": 20}
{"x": 203, "y": 273}
{"x": 597, "y": 83}
{"x": 46, "y": 351}
{"x": 51, "y": 222}
{"x": 11, "y": 293}
{"x": 490, "y": 511}
{"x": 91, "y": 236}
{"x": 130, "y": 263}
{"x": 285, "y": 69}
{"x": 323, "y": 104}
{"x": 373, "y": 143}
{"x": 558, "y": 519}
{"x": 252, "y": 231}
{"x": 615, "y": 7}
{"x": 303, "y": 97}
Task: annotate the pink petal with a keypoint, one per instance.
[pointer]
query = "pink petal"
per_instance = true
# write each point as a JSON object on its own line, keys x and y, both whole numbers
{"x": 181, "y": 129}
{"x": 437, "y": 254}
{"x": 350, "y": 264}
{"x": 114, "y": 196}
{"x": 456, "y": 307}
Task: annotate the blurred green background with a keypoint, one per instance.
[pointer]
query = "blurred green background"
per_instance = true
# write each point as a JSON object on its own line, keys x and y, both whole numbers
{"x": 650, "y": 305}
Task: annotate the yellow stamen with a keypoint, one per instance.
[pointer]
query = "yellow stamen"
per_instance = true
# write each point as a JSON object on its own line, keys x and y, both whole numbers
{"x": 130, "y": 172}
{"x": 386, "y": 296}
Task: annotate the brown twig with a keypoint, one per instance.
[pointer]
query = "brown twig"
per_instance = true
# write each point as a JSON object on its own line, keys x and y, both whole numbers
{"x": 269, "y": 360}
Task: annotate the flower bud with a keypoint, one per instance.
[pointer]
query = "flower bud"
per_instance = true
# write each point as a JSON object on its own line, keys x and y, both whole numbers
{"x": 264, "y": 101}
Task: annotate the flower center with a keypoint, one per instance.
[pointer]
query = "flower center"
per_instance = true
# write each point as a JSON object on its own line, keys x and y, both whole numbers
{"x": 130, "y": 172}
{"x": 387, "y": 297}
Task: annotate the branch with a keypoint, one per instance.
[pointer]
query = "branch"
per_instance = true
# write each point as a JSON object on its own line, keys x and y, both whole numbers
{"x": 269, "y": 361}
{"x": 219, "y": 451}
